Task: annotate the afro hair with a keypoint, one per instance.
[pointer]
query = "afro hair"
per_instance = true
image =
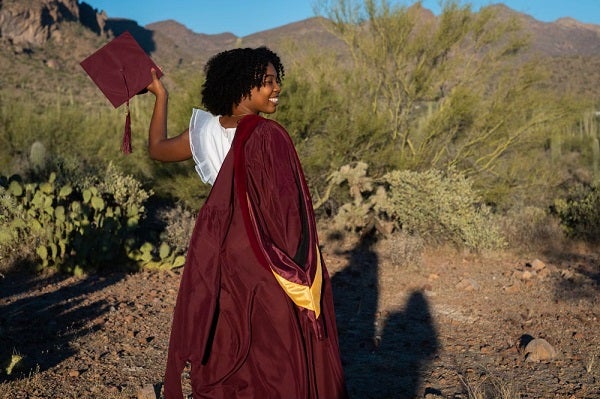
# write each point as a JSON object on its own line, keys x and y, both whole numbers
{"x": 232, "y": 74}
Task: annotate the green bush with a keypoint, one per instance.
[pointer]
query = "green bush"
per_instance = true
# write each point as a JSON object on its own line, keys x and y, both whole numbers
{"x": 179, "y": 225}
{"x": 532, "y": 228}
{"x": 439, "y": 208}
{"x": 11, "y": 228}
{"x": 579, "y": 212}
{"x": 405, "y": 250}
{"x": 93, "y": 224}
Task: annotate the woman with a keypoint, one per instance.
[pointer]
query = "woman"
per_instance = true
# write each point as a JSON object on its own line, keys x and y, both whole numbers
{"x": 254, "y": 314}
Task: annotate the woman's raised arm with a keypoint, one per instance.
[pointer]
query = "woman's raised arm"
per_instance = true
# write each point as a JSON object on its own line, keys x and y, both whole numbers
{"x": 161, "y": 147}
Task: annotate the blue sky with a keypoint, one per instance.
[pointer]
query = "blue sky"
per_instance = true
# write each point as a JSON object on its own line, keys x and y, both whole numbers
{"x": 244, "y": 17}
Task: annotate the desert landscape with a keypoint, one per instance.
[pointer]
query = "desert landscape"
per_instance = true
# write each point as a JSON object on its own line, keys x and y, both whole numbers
{"x": 430, "y": 322}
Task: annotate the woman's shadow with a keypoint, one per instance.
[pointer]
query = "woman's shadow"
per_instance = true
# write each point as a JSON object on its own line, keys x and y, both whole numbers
{"x": 384, "y": 354}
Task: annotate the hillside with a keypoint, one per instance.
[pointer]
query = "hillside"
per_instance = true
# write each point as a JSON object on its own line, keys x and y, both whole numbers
{"x": 35, "y": 34}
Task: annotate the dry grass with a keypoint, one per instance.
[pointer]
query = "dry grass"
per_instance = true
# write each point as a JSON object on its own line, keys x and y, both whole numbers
{"x": 490, "y": 387}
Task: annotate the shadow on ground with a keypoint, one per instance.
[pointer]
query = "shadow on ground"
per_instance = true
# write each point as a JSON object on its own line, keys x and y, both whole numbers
{"x": 384, "y": 355}
{"x": 580, "y": 275}
{"x": 40, "y": 318}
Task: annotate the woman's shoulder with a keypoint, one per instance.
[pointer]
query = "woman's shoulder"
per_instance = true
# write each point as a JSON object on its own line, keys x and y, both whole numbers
{"x": 205, "y": 124}
{"x": 270, "y": 126}
{"x": 200, "y": 117}
{"x": 270, "y": 131}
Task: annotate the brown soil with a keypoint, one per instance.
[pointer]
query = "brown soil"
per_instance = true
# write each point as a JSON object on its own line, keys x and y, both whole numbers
{"x": 453, "y": 326}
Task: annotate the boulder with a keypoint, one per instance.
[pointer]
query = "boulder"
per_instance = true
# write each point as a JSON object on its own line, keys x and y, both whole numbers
{"x": 538, "y": 350}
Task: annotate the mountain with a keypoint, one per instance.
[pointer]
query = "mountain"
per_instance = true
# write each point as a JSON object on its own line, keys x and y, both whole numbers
{"x": 42, "y": 42}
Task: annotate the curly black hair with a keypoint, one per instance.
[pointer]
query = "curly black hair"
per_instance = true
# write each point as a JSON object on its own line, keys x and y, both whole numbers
{"x": 232, "y": 74}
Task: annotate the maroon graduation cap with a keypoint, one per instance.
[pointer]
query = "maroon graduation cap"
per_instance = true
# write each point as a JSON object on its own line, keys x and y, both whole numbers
{"x": 121, "y": 69}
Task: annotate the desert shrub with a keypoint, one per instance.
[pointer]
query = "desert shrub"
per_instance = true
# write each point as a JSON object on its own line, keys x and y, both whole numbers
{"x": 179, "y": 225}
{"x": 356, "y": 215}
{"x": 531, "y": 228}
{"x": 124, "y": 190}
{"x": 438, "y": 207}
{"x": 405, "y": 250}
{"x": 94, "y": 224}
{"x": 579, "y": 212}
{"x": 11, "y": 235}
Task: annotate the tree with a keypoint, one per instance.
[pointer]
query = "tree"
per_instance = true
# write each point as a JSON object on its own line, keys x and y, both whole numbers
{"x": 452, "y": 90}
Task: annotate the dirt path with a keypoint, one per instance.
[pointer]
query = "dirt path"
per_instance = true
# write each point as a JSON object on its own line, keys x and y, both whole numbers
{"x": 440, "y": 329}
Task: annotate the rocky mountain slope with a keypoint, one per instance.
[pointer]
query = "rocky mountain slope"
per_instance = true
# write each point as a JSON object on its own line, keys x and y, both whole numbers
{"x": 44, "y": 40}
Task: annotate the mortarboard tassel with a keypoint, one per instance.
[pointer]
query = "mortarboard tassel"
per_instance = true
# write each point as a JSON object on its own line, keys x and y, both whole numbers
{"x": 126, "y": 145}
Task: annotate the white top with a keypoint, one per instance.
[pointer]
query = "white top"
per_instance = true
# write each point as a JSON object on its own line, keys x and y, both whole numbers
{"x": 210, "y": 143}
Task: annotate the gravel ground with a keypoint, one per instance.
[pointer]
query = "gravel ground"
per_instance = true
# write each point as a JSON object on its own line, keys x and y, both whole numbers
{"x": 450, "y": 326}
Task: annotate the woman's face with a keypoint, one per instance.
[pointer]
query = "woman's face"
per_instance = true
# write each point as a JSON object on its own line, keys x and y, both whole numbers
{"x": 265, "y": 98}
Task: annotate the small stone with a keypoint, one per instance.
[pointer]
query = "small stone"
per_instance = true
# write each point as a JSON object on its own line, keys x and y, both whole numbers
{"x": 468, "y": 285}
{"x": 567, "y": 274}
{"x": 539, "y": 350}
{"x": 513, "y": 287}
{"x": 527, "y": 275}
{"x": 427, "y": 287}
{"x": 74, "y": 373}
{"x": 538, "y": 265}
{"x": 52, "y": 64}
{"x": 578, "y": 336}
{"x": 147, "y": 392}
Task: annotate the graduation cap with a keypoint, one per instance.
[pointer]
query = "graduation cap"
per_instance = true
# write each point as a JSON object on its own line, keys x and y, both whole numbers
{"x": 121, "y": 69}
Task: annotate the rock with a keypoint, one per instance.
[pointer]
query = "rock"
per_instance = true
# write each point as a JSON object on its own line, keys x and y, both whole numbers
{"x": 527, "y": 275}
{"x": 468, "y": 285}
{"x": 567, "y": 274}
{"x": 147, "y": 392}
{"x": 539, "y": 350}
{"x": 52, "y": 64}
{"x": 538, "y": 265}
{"x": 26, "y": 24}
{"x": 515, "y": 287}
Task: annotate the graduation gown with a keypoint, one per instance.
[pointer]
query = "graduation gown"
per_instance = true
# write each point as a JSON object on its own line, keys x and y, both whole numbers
{"x": 254, "y": 315}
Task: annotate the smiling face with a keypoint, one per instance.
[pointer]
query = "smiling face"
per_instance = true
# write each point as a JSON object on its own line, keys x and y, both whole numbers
{"x": 262, "y": 99}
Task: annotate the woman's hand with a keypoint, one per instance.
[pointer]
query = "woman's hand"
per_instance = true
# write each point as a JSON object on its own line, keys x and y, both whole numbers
{"x": 156, "y": 87}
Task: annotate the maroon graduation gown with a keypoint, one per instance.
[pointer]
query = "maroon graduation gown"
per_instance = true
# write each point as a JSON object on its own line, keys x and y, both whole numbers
{"x": 243, "y": 335}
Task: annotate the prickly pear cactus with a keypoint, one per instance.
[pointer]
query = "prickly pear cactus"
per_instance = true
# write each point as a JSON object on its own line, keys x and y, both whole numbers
{"x": 77, "y": 228}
